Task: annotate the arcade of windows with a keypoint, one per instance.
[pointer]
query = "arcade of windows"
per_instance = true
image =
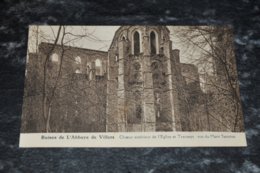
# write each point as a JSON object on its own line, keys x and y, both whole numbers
{"x": 98, "y": 64}
{"x": 137, "y": 43}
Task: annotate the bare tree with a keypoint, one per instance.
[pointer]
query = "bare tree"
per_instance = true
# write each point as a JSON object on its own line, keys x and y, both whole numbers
{"x": 216, "y": 63}
{"x": 68, "y": 95}
{"x": 53, "y": 80}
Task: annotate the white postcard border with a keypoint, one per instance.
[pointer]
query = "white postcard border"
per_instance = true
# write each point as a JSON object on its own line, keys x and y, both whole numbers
{"x": 133, "y": 139}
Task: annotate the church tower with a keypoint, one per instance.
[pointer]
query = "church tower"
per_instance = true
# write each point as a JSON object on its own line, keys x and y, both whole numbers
{"x": 142, "y": 81}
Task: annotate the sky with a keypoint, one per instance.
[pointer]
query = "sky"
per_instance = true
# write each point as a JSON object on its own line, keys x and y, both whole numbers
{"x": 99, "y": 38}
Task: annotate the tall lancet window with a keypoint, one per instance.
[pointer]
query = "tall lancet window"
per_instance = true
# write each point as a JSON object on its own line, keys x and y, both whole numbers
{"x": 98, "y": 67}
{"x": 136, "y": 43}
{"x": 78, "y": 60}
{"x": 153, "y": 43}
{"x": 55, "y": 57}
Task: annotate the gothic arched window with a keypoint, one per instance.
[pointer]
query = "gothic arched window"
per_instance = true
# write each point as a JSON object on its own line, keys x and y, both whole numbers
{"x": 78, "y": 71}
{"x": 98, "y": 67}
{"x": 136, "y": 43}
{"x": 98, "y": 63}
{"x": 153, "y": 43}
{"x": 55, "y": 57}
{"x": 78, "y": 60}
{"x": 123, "y": 38}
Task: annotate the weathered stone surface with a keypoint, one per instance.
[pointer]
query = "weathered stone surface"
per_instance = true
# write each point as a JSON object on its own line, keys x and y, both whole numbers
{"x": 149, "y": 127}
{"x": 149, "y": 113}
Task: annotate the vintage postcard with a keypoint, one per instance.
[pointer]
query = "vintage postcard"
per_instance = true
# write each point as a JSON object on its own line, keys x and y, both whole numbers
{"x": 131, "y": 86}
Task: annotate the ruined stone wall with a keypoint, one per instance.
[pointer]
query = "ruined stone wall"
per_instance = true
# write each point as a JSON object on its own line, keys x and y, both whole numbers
{"x": 76, "y": 95}
{"x": 223, "y": 101}
{"x": 31, "y": 114}
{"x": 81, "y": 107}
{"x": 140, "y": 83}
{"x": 196, "y": 118}
{"x": 134, "y": 88}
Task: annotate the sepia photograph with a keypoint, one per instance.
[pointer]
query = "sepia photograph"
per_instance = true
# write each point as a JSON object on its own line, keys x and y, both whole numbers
{"x": 131, "y": 79}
